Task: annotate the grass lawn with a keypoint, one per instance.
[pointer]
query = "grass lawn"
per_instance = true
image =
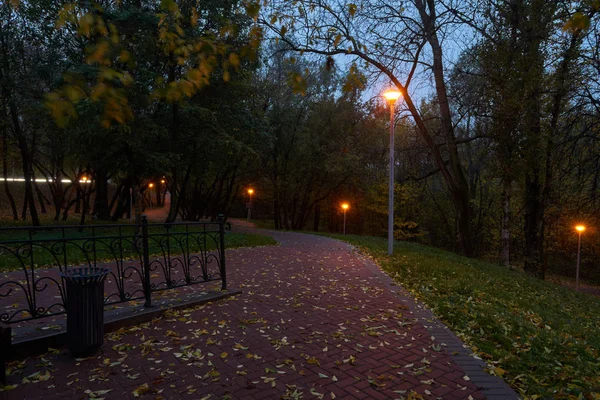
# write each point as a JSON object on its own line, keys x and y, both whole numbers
{"x": 107, "y": 237}
{"x": 543, "y": 339}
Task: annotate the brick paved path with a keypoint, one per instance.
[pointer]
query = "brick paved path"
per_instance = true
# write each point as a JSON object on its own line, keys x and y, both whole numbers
{"x": 313, "y": 322}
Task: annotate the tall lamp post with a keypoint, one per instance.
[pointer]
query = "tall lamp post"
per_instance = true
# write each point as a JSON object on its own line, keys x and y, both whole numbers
{"x": 150, "y": 186}
{"x": 345, "y": 207}
{"x": 580, "y": 229}
{"x": 391, "y": 96}
{"x": 250, "y": 193}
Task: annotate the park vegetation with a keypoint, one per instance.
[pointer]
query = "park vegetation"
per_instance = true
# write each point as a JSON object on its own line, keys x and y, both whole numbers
{"x": 498, "y": 141}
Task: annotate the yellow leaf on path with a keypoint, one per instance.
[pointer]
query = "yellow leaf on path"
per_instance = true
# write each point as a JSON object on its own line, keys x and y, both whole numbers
{"x": 143, "y": 389}
{"x": 313, "y": 361}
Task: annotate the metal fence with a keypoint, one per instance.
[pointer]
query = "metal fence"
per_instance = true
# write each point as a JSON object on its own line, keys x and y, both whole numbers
{"x": 141, "y": 262}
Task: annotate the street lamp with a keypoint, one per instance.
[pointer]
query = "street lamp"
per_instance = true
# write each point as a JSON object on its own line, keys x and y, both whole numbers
{"x": 580, "y": 229}
{"x": 250, "y": 193}
{"x": 391, "y": 96}
{"x": 345, "y": 207}
{"x": 150, "y": 186}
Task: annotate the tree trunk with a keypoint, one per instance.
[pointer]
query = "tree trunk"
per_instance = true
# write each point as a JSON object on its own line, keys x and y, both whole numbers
{"x": 40, "y": 196}
{"x": 101, "y": 208}
{"x": 27, "y": 166}
{"x": 317, "y": 217}
{"x": 505, "y": 226}
{"x": 534, "y": 146}
{"x": 9, "y": 195}
{"x": 6, "y": 110}
{"x": 58, "y": 193}
{"x": 86, "y": 203}
{"x": 276, "y": 211}
{"x": 158, "y": 190}
{"x": 174, "y": 135}
{"x": 69, "y": 204}
{"x": 455, "y": 180}
{"x": 78, "y": 200}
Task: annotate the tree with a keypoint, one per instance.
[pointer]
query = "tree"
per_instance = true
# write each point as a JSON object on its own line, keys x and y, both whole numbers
{"x": 392, "y": 42}
{"x": 513, "y": 59}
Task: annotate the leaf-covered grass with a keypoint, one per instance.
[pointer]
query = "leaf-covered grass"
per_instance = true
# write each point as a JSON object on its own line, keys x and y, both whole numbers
{"x": 543, "y": 339}
{"x": 42, "y": 253}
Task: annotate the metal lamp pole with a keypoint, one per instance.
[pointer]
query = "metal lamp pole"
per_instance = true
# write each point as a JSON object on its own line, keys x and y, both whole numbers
{"x": 391, "y": 185}
{"x": 345, "y": 207}
{"x": 391, "y": 96}
{"x": 250, "y": 192}
{"x": 580, "y": 229}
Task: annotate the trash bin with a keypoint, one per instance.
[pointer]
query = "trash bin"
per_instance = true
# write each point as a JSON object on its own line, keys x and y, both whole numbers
{"x": 85, "y": 309}
{"x": 5, "y": 350}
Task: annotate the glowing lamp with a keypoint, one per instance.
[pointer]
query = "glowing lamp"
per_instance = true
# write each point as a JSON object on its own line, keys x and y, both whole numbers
{"x": 250, "y": 191}
{"x": 151, "y": 185}
{"x": 392, "y": 95}
{"x": 345, "y": 206}
{"x": 580, "y": 228}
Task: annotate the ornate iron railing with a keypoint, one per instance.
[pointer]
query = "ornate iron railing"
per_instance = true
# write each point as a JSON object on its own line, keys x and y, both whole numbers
{"x": 141, "y": 262}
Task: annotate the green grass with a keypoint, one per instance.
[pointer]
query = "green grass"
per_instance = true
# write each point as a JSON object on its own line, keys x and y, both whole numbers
{"x": 543, "y": 339}
{"x": 42, "y": 255}
{"x": 264, "y": 224}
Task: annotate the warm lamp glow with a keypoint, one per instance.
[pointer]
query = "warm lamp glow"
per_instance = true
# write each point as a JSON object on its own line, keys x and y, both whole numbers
{"x": 250, "y": 191}
{"x": 150, "y": 185}
{"x": 580, "y": 228}
{"x": 162, "y": 181}
{"x": 345, "y": 206}
{"x": 392, "y": 95}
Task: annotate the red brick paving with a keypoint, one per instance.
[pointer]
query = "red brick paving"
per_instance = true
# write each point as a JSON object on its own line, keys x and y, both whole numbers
{"x": 313, "y": 321}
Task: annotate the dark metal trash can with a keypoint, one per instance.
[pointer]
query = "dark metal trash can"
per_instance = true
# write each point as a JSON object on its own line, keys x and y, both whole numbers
{"x": 85, "y": 309}
{"x": 5, "y": 350}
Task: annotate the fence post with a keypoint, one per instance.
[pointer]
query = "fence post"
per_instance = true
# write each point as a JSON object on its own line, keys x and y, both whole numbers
{"x": 146, "y": 260}
{"x": 223, "y": 271}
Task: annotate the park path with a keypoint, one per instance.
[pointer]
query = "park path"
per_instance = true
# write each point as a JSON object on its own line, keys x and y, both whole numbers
{"x": 315, "y": 320}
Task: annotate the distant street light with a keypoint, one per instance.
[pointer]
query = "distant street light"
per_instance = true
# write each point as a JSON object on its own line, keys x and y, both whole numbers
{"x": 150, "y": 186}
{"x": 345, "y": 207}
{"x": 249, "y": 205}
{"x": 580, "y": 229}
{"x": 391, "y": 96}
